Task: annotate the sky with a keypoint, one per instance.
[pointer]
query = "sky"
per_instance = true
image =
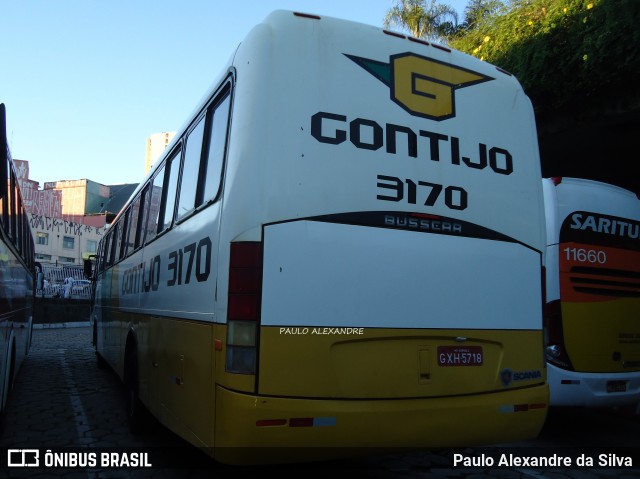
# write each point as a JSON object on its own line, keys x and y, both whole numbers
{"x": 85, "y": 82}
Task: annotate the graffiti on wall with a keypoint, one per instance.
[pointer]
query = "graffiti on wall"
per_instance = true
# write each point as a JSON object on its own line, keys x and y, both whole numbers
{"x": 47, "y": 203}
{"x": 41, "y": 202}
{"x": 60, "y": 225}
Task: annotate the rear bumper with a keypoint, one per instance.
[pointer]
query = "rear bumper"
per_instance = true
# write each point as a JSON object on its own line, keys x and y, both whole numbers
{"x": 569, "y": 388}
{"x": 321, "y": 429}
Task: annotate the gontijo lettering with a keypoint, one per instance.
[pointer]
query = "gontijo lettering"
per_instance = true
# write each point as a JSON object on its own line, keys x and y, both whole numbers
{"x": 365, "y": 134}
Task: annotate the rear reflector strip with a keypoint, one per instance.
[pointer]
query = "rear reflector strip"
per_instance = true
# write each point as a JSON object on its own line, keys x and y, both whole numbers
{"x": 511, "y": 408}
{"x": 299, "y": 422}
{"x": 270, "y": 422}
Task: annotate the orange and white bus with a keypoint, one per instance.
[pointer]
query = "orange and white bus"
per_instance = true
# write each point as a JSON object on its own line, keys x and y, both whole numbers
{"x": 16, "y": 271}
{"x": 342, "y": 248}
{"x": 593, "y": 293}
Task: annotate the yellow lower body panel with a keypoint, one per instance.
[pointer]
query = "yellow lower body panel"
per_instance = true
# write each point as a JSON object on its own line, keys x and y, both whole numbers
{"x": 261, "y": 430}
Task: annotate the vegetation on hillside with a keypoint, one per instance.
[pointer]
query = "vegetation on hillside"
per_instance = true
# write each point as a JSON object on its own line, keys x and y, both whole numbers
{"x": 562, "y": 51}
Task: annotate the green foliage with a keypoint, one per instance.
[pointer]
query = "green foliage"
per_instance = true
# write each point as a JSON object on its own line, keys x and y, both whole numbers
{"x": 561, "y": 50}
{"x": 423, "y": 18}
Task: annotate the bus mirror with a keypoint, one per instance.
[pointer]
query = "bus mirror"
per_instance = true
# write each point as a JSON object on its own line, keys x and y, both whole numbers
{"x": 88, "y": 268}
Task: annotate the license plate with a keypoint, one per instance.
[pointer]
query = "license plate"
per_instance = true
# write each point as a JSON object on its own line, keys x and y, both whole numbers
{"x": 460, "y": 356}
{"x": 616, "y": 386}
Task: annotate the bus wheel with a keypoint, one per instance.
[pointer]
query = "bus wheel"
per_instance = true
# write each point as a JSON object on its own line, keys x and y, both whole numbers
{"x": 8, "y": 379}
{"x": 136, "y": 412}
{"x": 100, "y": 362}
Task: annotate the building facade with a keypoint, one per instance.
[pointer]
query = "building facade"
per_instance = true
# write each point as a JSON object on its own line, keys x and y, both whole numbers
{"x": 156, "y": 143}
{"x": 80, "y": 197}
{"x": 37, "y": 201}
{"x": 68, "y": 218}
{"x": 61, "y": 241}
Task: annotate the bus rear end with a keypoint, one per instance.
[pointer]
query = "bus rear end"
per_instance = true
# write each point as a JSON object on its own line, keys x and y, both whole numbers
{"x": 385, "y": 255}
{"x": 593, "y": 343}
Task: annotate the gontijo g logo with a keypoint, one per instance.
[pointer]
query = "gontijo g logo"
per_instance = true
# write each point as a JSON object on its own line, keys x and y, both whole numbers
{"x": 422, "y": 86}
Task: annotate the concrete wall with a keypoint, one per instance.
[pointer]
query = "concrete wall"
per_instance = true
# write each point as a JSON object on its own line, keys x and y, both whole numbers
{"x": 57, "y": 310}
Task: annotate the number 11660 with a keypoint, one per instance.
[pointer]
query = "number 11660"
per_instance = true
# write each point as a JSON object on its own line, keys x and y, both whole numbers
{"x": 584, "y": 255}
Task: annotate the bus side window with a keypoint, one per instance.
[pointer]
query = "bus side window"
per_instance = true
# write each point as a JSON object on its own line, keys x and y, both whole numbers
{"x": 134, "y": 218}
{"x": 125, "y": 223}
{"x": 124, "y": 234}
{"x": 12, "y": 206}
{"x": 114, "y": 241}
{"x": 3, "y": 199}
{"x": 19, "y": 225}
{"x": 105, "y": 251}
{"x": 117, "y": 240}
{"x": 154, "y": 205}
{"x": 100, "y": 256}
{"x": 213, "y": 166}
{"x": 169, "y": 191}
{"x": 142, "y": 216}
{"x": 5, "y": 190}
{"x": 104, "y": 248}
{"x": 191, "y": 170}
{"x": 4, "y": 162}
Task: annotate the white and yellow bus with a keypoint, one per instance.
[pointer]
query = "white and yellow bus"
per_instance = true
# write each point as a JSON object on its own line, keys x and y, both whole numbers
{"x": 343, "y": 246}
{"x": 16, "y": 271}
{"x": 593, "y": 293}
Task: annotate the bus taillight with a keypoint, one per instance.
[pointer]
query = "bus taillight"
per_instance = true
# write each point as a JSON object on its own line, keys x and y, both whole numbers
{"x": 243, "y": 306}
{"x": 554, "y": 336}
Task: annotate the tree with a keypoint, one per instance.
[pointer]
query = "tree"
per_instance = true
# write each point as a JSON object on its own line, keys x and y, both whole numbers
{"x": 425, "y": 19}
{"x": 562, "y": 51}
{"x": 478, "y": 11}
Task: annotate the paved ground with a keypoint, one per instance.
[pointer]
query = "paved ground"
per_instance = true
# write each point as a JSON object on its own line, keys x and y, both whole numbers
{"x": 61, "y": 399}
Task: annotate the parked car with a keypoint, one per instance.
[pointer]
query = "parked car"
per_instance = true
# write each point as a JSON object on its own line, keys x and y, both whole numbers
{"x": 81, "y": 288}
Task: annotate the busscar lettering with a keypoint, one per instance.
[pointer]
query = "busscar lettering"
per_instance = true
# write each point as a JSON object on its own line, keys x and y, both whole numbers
{"x": 365, "y": 134}
{"x": 423, "y": 224}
